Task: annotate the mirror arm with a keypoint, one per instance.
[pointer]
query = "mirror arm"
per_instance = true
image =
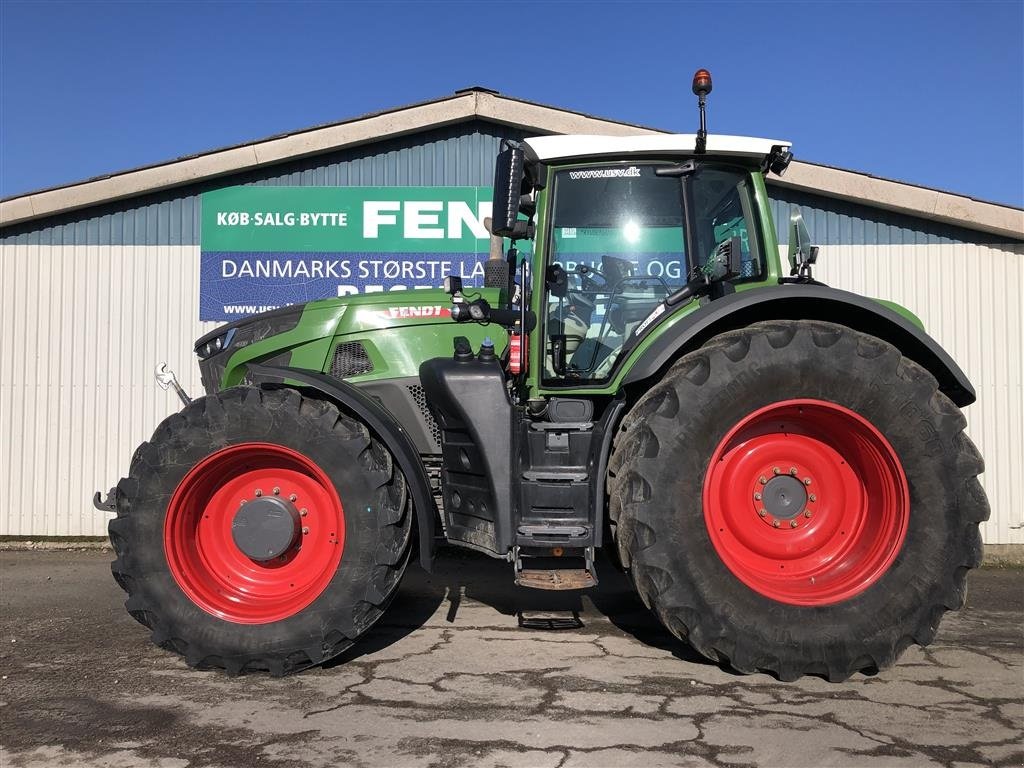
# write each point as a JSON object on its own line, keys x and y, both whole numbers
{"x": 697, "y": 287}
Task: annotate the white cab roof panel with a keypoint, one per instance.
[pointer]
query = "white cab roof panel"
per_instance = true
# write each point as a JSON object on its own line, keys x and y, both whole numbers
{"x": 564, "y": 147}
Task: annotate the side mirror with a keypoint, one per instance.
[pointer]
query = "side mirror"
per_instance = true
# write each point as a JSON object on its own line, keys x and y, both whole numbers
{"x": 508, "y": 183}
{"x": 511, "y": 189}
{"x": 802, "y": 255}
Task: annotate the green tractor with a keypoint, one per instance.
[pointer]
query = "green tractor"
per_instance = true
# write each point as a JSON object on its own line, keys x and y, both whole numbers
{"x": 779, "y": 466}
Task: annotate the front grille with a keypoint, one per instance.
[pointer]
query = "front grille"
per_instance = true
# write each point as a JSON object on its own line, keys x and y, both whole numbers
{"x": 350, "y": 359}
{"x": 420, "y": 398}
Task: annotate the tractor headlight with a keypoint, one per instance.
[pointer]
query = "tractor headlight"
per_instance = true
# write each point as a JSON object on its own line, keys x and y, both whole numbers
{"x": 220, "y": 345}
{"x": 215, "y": 345}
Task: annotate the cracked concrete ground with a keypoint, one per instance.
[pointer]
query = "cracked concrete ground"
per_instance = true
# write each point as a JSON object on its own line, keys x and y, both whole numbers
{"x": 447, "y": 678}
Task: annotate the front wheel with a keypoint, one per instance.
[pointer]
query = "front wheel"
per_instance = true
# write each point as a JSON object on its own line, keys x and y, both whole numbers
{"x": 260, "y": 530}
{"x": 796, "y": 497}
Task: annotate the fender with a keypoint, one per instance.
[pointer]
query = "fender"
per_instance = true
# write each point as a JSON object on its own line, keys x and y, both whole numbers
{"x": 394, "y": 436}
{"x": 805, "y": 302}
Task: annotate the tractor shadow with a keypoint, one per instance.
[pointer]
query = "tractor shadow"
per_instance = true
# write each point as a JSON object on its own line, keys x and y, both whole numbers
{"x": 462, "y": 576}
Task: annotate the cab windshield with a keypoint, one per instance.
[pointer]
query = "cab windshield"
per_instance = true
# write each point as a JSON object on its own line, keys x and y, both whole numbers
{"x": 618, "y": 246}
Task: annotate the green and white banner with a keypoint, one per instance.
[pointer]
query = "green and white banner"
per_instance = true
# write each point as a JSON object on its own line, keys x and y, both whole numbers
{"x": 265, "y": 247}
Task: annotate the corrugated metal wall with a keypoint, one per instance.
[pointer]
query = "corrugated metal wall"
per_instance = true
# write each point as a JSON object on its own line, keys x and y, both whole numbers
{"x": 91, "y": 302}
{"x": 83, "y": 327}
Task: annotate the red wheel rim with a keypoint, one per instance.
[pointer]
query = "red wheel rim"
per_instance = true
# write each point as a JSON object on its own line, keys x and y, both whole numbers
{"x": 202, "y": 554}
{"x": 831, "y": 539}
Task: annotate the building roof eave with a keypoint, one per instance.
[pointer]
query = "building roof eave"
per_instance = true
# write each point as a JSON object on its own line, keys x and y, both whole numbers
{"x": 463, "y": 106}
{"x": 901, "y": 197}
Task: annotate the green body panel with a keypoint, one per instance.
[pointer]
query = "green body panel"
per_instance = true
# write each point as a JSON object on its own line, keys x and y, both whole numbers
{"x": 399, "y": 330}
{"x": 307, "y": 343}
{"x": 900, "y": 310}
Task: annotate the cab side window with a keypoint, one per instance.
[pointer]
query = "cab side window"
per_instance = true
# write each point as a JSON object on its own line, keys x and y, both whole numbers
{"x": 724, "y": 208}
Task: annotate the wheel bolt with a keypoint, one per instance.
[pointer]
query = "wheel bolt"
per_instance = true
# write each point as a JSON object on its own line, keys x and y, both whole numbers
{"x": 303, "y": 511}
{"x": 775, "y": 470}
{"x": 258, "y": 493}
{"x": 807, "y": 513}
{"x": 305, "y": 529}
{"x": 792, "y": 471}
{"x": 293, "y": 497}
{"x": 792, "y": 523}
{"x": 812, "y": 497}
{"x": 763, "y": 480}
{"x": 277, "y": 491}
{"x": 807, "y": 481}
{"x": 775, "y": 523}
{"x": 757, "y": 497}
{"x": 762, "y": 513}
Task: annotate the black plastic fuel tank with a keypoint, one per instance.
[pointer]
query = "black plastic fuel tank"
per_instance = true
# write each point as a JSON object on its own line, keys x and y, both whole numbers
{"x": 470, "y": 401}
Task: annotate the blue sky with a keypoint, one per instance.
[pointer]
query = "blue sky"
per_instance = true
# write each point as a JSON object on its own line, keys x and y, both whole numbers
{"x": 926, "y": 92}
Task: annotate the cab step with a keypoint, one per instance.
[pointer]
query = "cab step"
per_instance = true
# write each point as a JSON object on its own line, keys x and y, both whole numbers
{"x": 556, "y": 578}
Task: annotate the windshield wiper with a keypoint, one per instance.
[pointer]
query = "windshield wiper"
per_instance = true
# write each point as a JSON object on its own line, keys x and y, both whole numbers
{"x": 683, "y": 169}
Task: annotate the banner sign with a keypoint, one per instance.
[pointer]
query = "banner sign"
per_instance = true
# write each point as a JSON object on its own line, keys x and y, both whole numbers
{"x": 266, "y": 247}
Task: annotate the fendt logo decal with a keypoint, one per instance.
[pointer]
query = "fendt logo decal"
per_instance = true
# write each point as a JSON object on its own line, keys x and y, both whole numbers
{"x": 396, "y": 313}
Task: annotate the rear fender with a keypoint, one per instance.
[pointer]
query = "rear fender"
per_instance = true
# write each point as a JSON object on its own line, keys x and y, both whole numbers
{"x": 804, "y": 302}
{"x": 384, "y": 426}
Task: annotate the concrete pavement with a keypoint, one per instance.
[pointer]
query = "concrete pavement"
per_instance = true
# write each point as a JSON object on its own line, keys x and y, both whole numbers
{"x": 449, "y": 679}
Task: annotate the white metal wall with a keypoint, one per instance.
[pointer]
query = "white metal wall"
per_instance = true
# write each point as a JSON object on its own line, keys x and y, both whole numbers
{"x": 81, "y": 328}
{"x": 969, "y": 299}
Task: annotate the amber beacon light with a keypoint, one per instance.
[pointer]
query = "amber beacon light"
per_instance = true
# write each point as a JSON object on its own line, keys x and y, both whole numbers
{"x": 701, "y": 83}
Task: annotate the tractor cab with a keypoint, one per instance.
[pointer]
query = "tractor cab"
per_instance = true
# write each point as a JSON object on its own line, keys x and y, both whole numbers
{"x": 629, "y": 225}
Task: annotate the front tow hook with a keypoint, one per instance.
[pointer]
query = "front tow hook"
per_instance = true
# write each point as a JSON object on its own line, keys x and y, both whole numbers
{"x": 108, "y": 504}
{"x": 165, "y": 378}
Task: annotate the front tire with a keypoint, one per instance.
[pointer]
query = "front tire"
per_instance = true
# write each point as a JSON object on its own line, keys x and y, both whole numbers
{"x": 798, "y": 498}
{"x": 260, "y": 530}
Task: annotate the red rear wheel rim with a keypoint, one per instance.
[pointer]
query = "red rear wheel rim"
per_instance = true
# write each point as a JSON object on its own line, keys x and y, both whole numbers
{"x": 806, "y": 502}
{"x": 201, "y": 551}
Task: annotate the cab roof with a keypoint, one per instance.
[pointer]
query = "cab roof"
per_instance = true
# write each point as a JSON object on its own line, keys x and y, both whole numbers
{"x": 548, "y": 148}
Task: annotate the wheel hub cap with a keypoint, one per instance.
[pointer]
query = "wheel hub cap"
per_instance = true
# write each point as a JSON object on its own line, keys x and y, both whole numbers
{"x": 784, "y": 497}
{"x": 265, "y": 527}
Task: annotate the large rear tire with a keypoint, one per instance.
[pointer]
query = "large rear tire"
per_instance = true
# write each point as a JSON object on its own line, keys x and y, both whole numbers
{"x": 260, "y": 530}
{"x": 797, "y": 498}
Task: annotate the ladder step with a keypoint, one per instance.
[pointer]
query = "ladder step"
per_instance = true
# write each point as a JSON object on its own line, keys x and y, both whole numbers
{"x": 553, "y": 530}
{"x": 562, "y": 426}
{"x": 558, "y": 475}
{"x": 550, "y": 620}
{"x": 559, "y": 578}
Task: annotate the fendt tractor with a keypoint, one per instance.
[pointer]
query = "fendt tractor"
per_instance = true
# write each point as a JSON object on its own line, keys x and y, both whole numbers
{"x": 779, "y": 466}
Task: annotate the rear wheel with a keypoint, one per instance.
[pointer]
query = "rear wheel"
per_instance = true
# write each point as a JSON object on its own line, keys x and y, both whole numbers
{"x": 260, "y": 530}
{"x": 797, "y": 497}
